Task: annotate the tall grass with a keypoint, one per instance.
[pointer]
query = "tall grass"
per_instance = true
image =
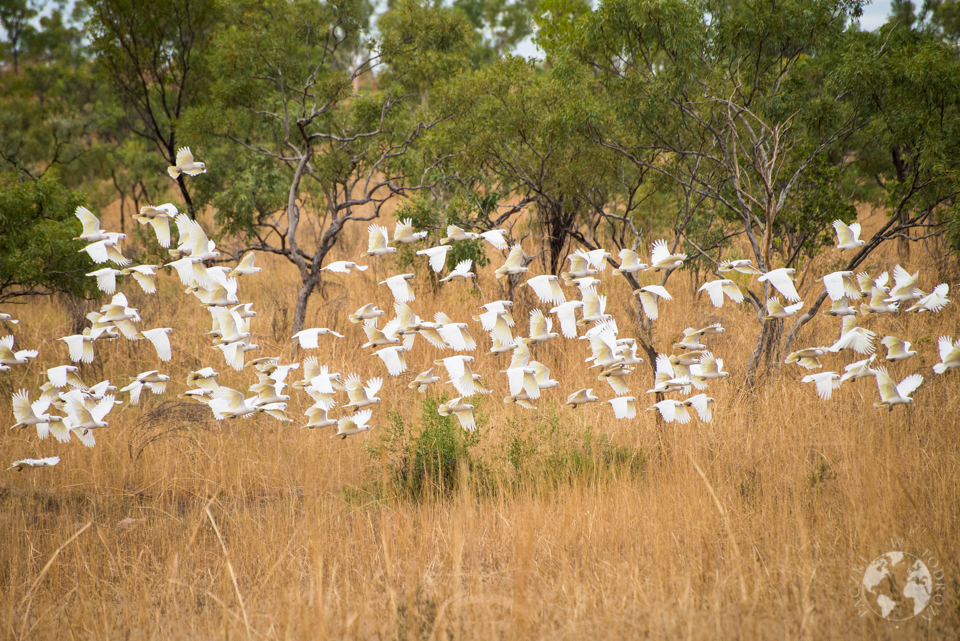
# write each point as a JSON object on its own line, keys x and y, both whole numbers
{"x": 550, "y": 523}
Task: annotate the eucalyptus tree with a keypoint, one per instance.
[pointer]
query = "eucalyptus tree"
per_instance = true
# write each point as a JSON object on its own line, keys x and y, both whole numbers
{"x": 519, "y": 127}
{"x": 48, "y": 126}
{"x": 735, "y": 103}
{"x": 299, "y": 146}
{"x": 152, "y": 56}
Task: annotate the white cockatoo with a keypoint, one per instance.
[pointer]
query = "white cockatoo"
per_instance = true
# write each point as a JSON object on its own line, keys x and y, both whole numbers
{"x": 782, "y": 280}
{"x": 186, "y": 164}
{"x": 378, "y": 242}
{"x": 848, "y": 236}
{"x": 159, "y": 218}
{"x": 661, "y": 259}
{"x": 403, "y": 232}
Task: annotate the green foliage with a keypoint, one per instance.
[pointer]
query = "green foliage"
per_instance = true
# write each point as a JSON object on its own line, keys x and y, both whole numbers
{"x": 422, "y": 44}
{"x": 551, "y": 451}
{"x": 435, "y": 457}
{"x": 426, "y": 214}
{"x": 37, "y": 252}
{"x": 431, "y": 458}
{"x": 909, "y": 151}
{"x": 500, "y": 24}
{"x": 152, "y": 57}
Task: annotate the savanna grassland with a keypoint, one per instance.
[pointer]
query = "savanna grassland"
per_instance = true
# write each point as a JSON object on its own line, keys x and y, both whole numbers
{"x": 554, "y": 523}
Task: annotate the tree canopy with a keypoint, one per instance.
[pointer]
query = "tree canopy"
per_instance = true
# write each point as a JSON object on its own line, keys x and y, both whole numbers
{"x": 727, "y": 128}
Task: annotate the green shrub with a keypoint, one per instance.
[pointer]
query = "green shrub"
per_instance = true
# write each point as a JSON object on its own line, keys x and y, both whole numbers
{"x": 432, "y": 457}
{"x": 435, "y": 457}
{"x": 550, "y": 451}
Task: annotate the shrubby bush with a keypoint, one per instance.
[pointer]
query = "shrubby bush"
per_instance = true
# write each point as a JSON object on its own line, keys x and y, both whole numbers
{"x": 434, "y": 457}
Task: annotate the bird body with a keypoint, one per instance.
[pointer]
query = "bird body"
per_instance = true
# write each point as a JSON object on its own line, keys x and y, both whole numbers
{"x": 152, "y": 380}
{"x": 144, "y": 275}
{"x": 671, "y": 410}
{"x": 624, "y": 407}
{"x": 854, "y": 337}
{"x": 742, "y": 266}
{"x": 402, "y": 293}
{"x": 463, "y": 412}
{"x": 648, "y": 299}
{"x": 878, "y": 303}
{"x": 808, "y": 358}
{"x": 161, "y": 341}
{"x": 934, "y": 301}
{"x": 28, "y": 413}
{"x": 455, "y": 334}
{"x": 310, "y": 338}
{"x": 513, "y": 264}
{"x": 437, "y": 256}
{"x": 362, "y": 396}
{"x": 580, "y": 266}
{"x": 246, "y": 266}
{"x": 840, "y": 285}
{"x": 860, "y": 369}
{"x": 547, "y": 289}
{"x": 378, "y": 242}
{"x": 32, "y": 463}
{"x": 91, "y": 226}
{"x": 350, "y": 425}
{"x": 892, "y": 394}
{"x": 567, "y": 316}
{"x": 230, "y": 403}
{"x": 701, "y": 403}
{"x": 776, "y": 310}
{"x": 318, "y": 417}
{"x": 496, "y": 237}
{"x": 80, "y": 417}
{"x": 540, "y": 327}
{"x": 460, "y": 272}
{"x": 9, "y": 357}
{"x": 782, "y": 280}
{"x": 392, "y": 357}
{"x": 366, "y": 312}
{"x": 840, "y": 307}
{"x": 629, "y": 263}
{"x": 454, "y": 233}
{"x": 461, "y": 376}
{"x": 905, "y": 286}
{"x": 186, "y": 164}
{"x": 662, "y": 260}
{"x": 826, "y": 382}
{"x": 343, "y": 267}
{"x": 159, "y": 218}
{"x": 403, "y": 232}
{"x": 949, "y": 355}
{"x": 717, "y": 288}
{"x": 848, "y": 236}
{"x": 897, "y": 350}
{"x": 80, "y": 346}
{"x": 424, "y": 380}
{"x": 581, "y": 397}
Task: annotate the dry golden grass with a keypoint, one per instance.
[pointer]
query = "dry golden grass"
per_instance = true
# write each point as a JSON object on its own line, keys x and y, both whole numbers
{"x": 242, "y": 529}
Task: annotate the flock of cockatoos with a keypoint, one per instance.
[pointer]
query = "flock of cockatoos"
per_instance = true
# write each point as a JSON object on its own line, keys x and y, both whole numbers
{"x": 85, "y": 408}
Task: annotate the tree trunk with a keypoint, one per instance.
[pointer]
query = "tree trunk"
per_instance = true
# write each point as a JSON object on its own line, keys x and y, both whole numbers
{"x": 903, "y": 245}
{"x": 767, "y": 349}
{"x": 306, "y": 290}
{"x": 558, "y": 224}
{"x": 186, "y": 196}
